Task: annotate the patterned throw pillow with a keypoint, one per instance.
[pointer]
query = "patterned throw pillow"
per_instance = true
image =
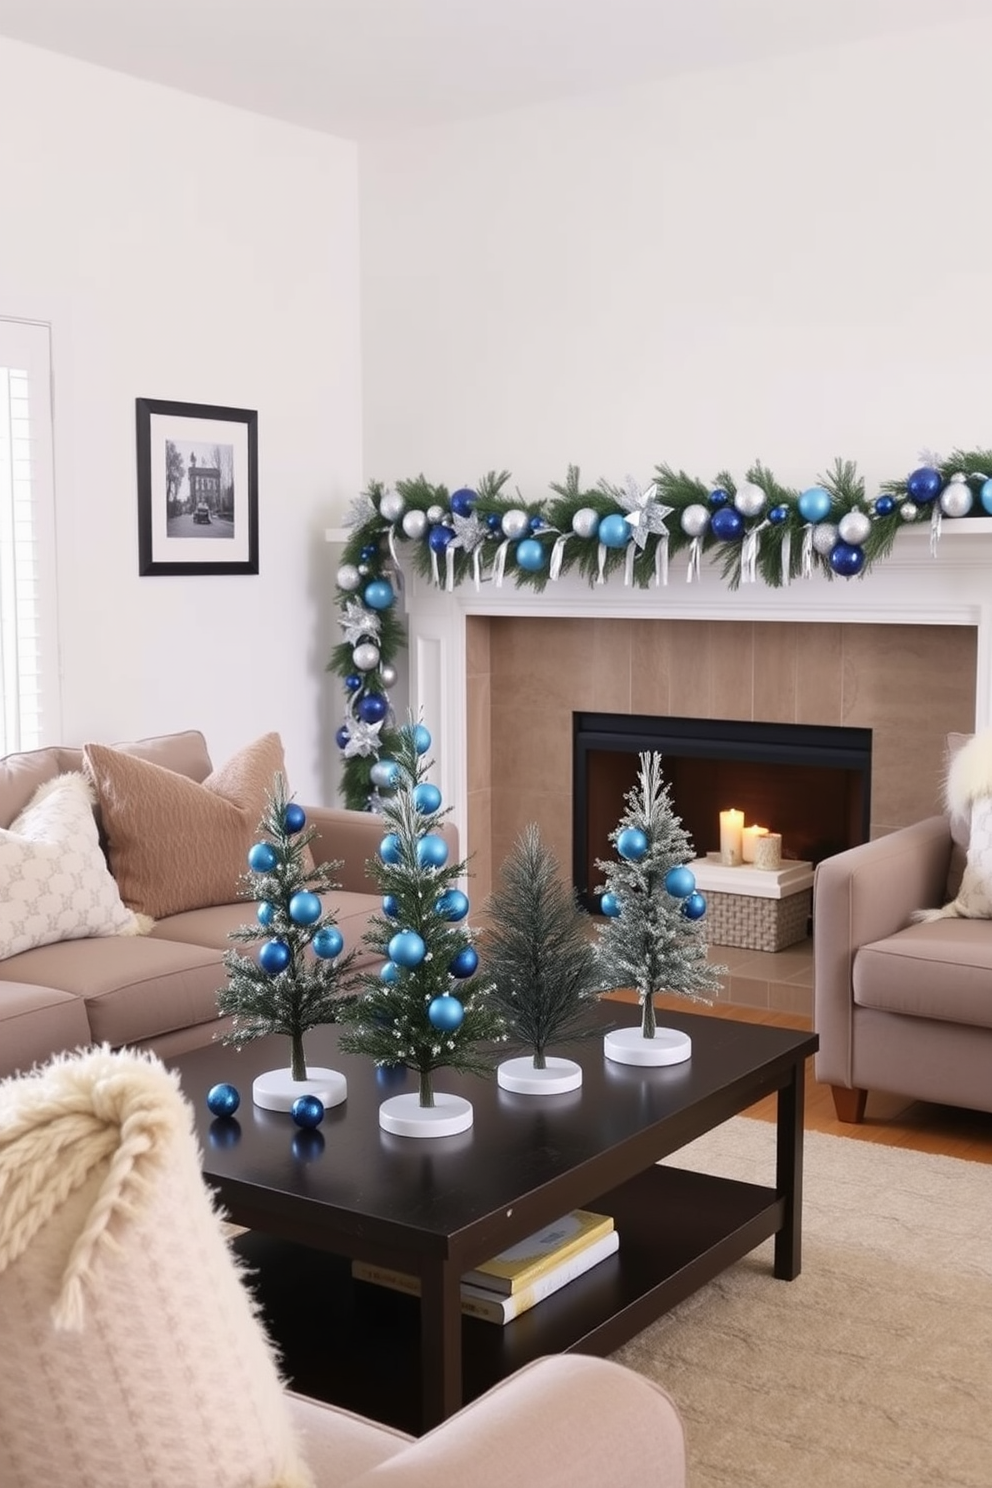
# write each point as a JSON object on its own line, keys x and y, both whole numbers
{"x": 57, "y": 885}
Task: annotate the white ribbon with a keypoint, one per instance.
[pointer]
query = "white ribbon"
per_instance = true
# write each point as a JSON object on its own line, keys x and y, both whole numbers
{"x": 499, "y": 563}
{"x": 807, "y": 553}
{"x": 749, "y": 554}
{"x": 695, "y": 558}
{"x": 449, "y": 564}
{"x": 558, "y": 556}
{"x": 477, "y": 565}
{"x": 434, "y": 573}
{"x": 936, "y": 516}
{"x": 601, "y": 576}
{"x": 628, "y": 564}
{"x": 786, "y": 558}
{"x": 661, "y": 561}
{"x": 391, "y": 539}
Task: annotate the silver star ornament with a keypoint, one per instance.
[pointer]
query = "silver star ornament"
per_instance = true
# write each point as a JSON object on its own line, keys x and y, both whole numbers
{"x": 469, "y": 532}
{"x": 358, "y": 622}
{"x": 363, "y": 738}
{"x": 645, "y": 513}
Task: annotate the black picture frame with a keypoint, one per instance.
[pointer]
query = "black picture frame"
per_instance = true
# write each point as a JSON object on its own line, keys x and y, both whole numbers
{"x": 197, "y": 488}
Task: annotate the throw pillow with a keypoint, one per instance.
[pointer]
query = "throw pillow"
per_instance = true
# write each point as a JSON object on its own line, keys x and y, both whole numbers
{"x": 968, "y": 797}
{"x": 56, "y": 882}
{"x": 174, "y": 844}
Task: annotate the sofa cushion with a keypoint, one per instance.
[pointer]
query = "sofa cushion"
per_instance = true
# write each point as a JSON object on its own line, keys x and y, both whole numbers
{"x": 22, "y": 774}
{"x": 36, "y": 1022}
{"x": 960, "y": 819}
{"x": 941, "y": 969}
{"x": 175, "y": 844}
{"x": 212, "y": 927}
{"x": 56, "y": 884}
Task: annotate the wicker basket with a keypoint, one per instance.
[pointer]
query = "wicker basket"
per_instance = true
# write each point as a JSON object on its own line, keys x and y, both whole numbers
{"x": 758, "y": 924}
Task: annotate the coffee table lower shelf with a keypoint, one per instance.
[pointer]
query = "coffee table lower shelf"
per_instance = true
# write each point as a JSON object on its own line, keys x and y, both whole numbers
{"x": 358, "y": 1345}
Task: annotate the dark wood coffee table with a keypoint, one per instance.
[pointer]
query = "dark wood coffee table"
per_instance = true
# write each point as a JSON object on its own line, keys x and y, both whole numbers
{"x": 437, "y": 1207}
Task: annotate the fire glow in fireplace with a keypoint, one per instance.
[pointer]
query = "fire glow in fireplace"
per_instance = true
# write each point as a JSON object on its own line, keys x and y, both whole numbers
{"x": 808, "y": 782}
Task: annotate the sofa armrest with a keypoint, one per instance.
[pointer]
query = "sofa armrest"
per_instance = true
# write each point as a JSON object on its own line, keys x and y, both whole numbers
{"x": 351, "y": 838}
{"x": 568, "y": 1421}
{"x": 859, "y": 896}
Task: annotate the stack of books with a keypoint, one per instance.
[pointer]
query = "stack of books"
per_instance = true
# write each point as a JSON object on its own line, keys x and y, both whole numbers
{"x": 526, "y": 1273}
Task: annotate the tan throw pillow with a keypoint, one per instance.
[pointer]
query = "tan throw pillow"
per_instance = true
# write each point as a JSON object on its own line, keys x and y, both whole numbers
{"x": 176, "y": 845}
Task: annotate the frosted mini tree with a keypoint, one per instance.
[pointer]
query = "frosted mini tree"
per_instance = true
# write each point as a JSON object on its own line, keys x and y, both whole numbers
{"x": 651, "y": 939}
{"x": 300, "y": 978}
{"x": 425, "y": 1010}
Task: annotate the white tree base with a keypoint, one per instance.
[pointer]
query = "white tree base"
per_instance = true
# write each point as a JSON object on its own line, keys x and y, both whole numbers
{"x": 404, "y": 1116}
{"x": 520, "y": 1075}
{"x": 276, "y": 1090}
{"x": 629, "y": 1046}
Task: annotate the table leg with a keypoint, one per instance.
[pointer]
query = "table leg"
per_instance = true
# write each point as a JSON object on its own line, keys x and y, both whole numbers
{"x": 789, "y": 1173}
{"x": 440, "y": 1342}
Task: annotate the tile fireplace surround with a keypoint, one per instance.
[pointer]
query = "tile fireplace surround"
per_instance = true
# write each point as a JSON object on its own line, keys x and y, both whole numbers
{"x": 496, "y": 673}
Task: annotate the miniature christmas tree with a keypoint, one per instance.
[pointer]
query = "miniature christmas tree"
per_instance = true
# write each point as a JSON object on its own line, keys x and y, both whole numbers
{"x": 543, "y": 962}
{"x": 651, "y": 939}
{"x": 301, "y": 978}
{"x": 425, "y": 1010}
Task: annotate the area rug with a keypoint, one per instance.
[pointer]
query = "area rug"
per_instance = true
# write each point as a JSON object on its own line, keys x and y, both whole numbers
{"x": 874, "y": 1367}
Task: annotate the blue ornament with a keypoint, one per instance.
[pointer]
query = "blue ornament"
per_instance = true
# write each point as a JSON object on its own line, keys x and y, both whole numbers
{"x": 389, "y": 849}
{"x": 223, "y": 1100}
{"x": 373, "y": 708}
{"x": 369, "y": 551}
{"x": 426, "y": 798}
{"x": 463, "y": 500}
{"x": 353, "y": 682}
{"x": 885, "y": 505}
{"x": 814, "y": 504}
{"x": 432, "y": 851}
{"x": 421, "y": 738}
{"x": 924, "y": 484}
{"x": 385, "y": 773}
{"x": 294, "y": 818}
{"x": 778, "y": 515}
{"x": 274, "y": 956}
{"x": 407, "y": 948}
{"x": 446, "y": 1013}
{"x": 847, "y": 559}
{"x": 389, "y": 973}
{"x": 465, "y": 962}
{"x": 614, "y": 531}
{"x": 328, "y": 942}
{"x": 494, "y": 522}
{"x": 438, "y": 538}
{"x": 262, "y": 857}
{"x": 536, "y": 524}
{"x": 610, "y": 905}
{"x": 985, "y": 495}
{"x": 265, "y": 913}
{"x": 342, "y": 736}
{"x": 307, "y": 1111}
{"x": 680, "y": 882}
{"x": 694, "y": 905}
{"x": 305, "y": 908}
{"x": 379, "y": 594}
{"x": 719, "y": 497}
{"x": 727, "y": 524}
{"x": 390, "y": 905}
{"x": 530, "y": 555}
{"x": 452, "y": 905}
{"x": 632, "y": 844}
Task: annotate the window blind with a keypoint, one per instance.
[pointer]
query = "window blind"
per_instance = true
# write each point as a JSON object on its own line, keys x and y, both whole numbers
{"x": 29, "y": 666}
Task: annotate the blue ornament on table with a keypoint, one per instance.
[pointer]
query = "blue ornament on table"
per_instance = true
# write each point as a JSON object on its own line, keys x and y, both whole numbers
{"x": 632, "y": 844}
{"x": 421, "y": 738}
{"x": 389, "y": 973}
{"x": 328, "y": 942}
{"x": 609, "y": 905}
{"x": 446, "y": 1013}
{"x": 262, "y": 857}
{"x": 439, "y": 537}
{"x": 373, "y": 707}
{"x": 307, "y": 1111}
{"x": 815, "y": 504}
{"x": 494, "y": 522}
{"x": 389, "y": 849}
{"x": 885, "y": 505}
{"x": 379, "y": 594}
{"x": 385, "y": 773}
{"x": 719, "y": 497}
{"x": 426, "y": 798}
{"x": 342, "y": 736}
{"x": 294, "y": 818}
{"x": 985, "y": 495}
{"x": 847, "y": 559}
{"x": 305, "y": 908}
{"x": 727, "y": 524}
{"x": 680, "y": 882}
{"x": 463, "y": 500}
{"x": 407, "y": 948}
{"x": 390, "y": 905}
{"x": 614, "y": 531}
{"x": 452, "y": 905}
{"x": 530, "y": 555}
{"x": 274, "y": 956}
{"x": 432, "y": 851}
{"x": 694, "y": 905}
{"x": 464, "y": 963}
{"x": 265, "y": 913}
{"x": 778, "y": 515}
{"x": 924, "y": 484}
{"x": 223, "y": 1100}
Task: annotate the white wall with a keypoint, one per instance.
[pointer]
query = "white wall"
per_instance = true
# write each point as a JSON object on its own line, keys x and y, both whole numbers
{"x": 192, "y": 252}
{"x": 790, "y": 261}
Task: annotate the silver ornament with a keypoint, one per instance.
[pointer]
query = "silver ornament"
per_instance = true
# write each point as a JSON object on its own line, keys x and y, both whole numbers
{"x": 695, "y": 519}
{"x": 516, "y": 523}
{"x": 365, "y": 656}
{"x": 435, "y": 514}
{"x": 585, "y": 522}
{"x": 392, "y": 506}
{"x": 956, "y": 499}
{"x": 824, "y": 537}
{"x": 415, "y": 523}
{"x": 348, "y": 577}
{"x": 909, "y": 511}
{"x": 854, "y": 528}
{"x": 750, "y": 499}
{"x": 364, "y": 570}
{"x": 388, "y": 674}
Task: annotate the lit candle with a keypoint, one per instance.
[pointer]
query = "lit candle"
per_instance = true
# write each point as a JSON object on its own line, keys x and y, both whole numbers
{"x": 749, "y": 840}
{"x": 731, "y": 829}
{"x": 768, "y": 851}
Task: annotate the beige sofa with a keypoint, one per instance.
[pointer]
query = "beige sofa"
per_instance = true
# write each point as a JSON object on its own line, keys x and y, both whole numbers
{"x": 156, "y": 990}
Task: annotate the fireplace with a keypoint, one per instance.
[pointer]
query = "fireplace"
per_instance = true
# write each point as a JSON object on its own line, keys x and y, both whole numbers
{"x": 810, "y": 783}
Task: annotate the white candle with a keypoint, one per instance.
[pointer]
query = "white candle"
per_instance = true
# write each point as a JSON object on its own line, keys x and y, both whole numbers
{"x": 768, "y": 851}
{"x": 749, "y": 840}
{"x": 731, "y": 829}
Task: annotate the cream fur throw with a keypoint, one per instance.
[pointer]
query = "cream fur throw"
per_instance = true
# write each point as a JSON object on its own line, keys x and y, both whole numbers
{"x": 968, "y": 793}
{"x": 131, "y": 1352}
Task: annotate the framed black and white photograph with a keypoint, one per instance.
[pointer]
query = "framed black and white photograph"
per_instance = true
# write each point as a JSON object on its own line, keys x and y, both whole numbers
{"x": 197, "y": 488}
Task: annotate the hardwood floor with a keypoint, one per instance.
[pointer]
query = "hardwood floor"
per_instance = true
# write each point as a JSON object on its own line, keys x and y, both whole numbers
{"x": 889, "y": 1119}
